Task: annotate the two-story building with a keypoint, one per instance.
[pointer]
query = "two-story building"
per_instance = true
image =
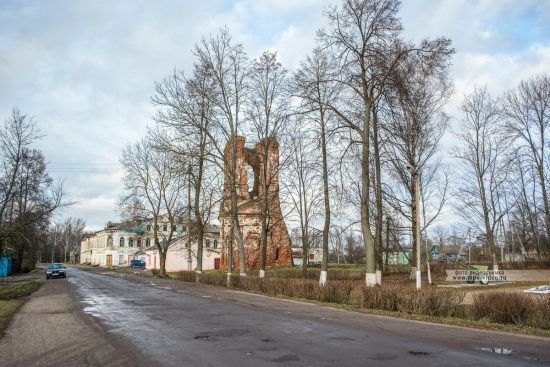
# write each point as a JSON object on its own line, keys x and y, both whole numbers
{"x": 118, "y": 243}
{"x": 182, "y": 253}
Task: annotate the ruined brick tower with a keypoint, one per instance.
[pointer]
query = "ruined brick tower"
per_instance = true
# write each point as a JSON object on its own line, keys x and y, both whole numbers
{"x": 249, "y": 206}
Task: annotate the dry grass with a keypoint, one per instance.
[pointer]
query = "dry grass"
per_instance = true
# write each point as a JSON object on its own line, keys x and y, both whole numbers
{"x": 427, "y": 301}
{"x": 512, "y": 308}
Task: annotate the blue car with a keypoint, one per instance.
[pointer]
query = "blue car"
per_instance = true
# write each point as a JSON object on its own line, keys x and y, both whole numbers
{"x": 137, "y": 263}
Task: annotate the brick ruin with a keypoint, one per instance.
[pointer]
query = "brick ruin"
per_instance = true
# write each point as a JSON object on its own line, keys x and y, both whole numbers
{"x": 249, "y": 206}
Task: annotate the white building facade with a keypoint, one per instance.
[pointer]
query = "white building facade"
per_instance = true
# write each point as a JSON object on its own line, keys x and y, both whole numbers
{"x": 182, "y": 255}
{"x": 118, "y": 243}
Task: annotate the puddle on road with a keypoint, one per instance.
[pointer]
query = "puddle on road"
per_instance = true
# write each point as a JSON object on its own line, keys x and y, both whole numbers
{"x": 503, "y": 351}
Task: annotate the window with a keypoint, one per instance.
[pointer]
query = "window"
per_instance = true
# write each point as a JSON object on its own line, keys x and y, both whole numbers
{"x": 148, "y": 228}
{"x": 131, "y": 242}
{"x": 183, "y": 228}
{"x": 157, "y": 227}
{"x": 312, "y": 256}
{"x": 215, "y": 243}
{"x": 121, "y": 241}
{"x": 148, "y": 242}
{"x": 110, "y": 241}
{"x": 207, "y": 243}
{"x": 276, "y": 253}
{"x": 165, "y": 227}
{"x": 139, "y": 242}
{"x": 173, "y": 228}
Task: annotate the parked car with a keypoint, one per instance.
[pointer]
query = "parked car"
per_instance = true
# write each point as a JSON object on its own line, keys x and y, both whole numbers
{"x": 56, "y": 270}
{"x": 137, "y": 263}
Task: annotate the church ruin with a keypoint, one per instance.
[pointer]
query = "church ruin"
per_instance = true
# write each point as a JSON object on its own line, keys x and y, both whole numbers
{"x": 249, "y": 176}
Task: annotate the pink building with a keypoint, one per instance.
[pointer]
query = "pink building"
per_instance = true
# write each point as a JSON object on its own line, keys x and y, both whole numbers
{"x": 180, "y": 256}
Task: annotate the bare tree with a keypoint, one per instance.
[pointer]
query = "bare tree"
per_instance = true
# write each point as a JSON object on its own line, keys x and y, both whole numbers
{"x": 364, "y": 37}
{"x": 268, "y": 112}
{"x": 72, "y": 231}
{"x": 485, "y": 165}
{"x": 316, "y": 94}
{"x": 16, "y": 137}
{"x": 304, "y": 192}
{"x": 416, "y": 124}
{"x": 528, "y": 204}
{"x": 527, "y": 113}
{"x": 227, "y": 67}
{"x": 28, "y": 196}
{"x": 185, "y": 110}
{"x": 151, "y": 178}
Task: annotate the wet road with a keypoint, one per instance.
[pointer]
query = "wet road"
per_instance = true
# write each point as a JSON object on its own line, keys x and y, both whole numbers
{"x": 179, "y": 324}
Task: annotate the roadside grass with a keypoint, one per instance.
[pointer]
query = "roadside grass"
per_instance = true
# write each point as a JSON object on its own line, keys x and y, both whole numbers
{"x": 11, "y": 298}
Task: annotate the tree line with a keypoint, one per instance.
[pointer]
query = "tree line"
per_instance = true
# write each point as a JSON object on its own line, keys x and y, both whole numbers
{"x": 28, "y": 195}
{"x": 360, "y": 124}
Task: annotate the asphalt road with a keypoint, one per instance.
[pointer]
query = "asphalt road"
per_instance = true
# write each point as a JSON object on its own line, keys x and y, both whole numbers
{"x": 131, "y": 320}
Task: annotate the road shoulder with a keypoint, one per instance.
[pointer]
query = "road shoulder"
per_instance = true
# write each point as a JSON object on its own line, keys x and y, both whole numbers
{"x": 51, "y": 329}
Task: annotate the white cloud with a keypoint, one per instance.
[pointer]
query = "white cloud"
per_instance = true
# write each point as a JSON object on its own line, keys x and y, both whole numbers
{"x": 85, "y": 70}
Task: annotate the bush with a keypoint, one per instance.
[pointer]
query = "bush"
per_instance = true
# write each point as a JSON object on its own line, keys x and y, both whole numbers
{"x": 186, "y": 276}
{"x": 540, "y": 317}
{"x": 512, "y": 308}
{"x": 336, "y": 291}
{"x": 427, "y": 301}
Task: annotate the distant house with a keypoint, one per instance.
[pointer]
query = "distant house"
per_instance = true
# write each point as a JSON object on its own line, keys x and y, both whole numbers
{"x": 181, "y": 256}
{"x": 448, "y": 254}
{"x": 450, "y": 257}
{"x": 315, "y": 251}
{"x": 397, "y": 257}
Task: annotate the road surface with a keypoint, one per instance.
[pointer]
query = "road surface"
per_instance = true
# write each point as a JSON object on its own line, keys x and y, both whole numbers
{"x": 100, "y": 318}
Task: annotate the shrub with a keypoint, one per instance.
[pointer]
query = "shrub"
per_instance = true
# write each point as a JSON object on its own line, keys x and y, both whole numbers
{"x": 427, "y": 301}
{"x": 186, "y": 276}
{"x": 502, "y": 307}
{"x": 540, "y": 316}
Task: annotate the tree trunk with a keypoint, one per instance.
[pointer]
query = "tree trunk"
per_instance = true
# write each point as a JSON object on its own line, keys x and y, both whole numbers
{"x": 162, "y": 259}
{"x": 234, "y": 209}
{"x": 377, "y": 193}
{"x": 326, "y": 198}
{"x": 230, "y": 255}
{"x": 368, "y": 239}
{"x": 540, "y": 170}
{"x": 264, "y": 208}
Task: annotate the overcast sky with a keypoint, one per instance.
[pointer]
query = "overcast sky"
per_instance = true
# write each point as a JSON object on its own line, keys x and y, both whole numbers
{"x": 85, "y": 69}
